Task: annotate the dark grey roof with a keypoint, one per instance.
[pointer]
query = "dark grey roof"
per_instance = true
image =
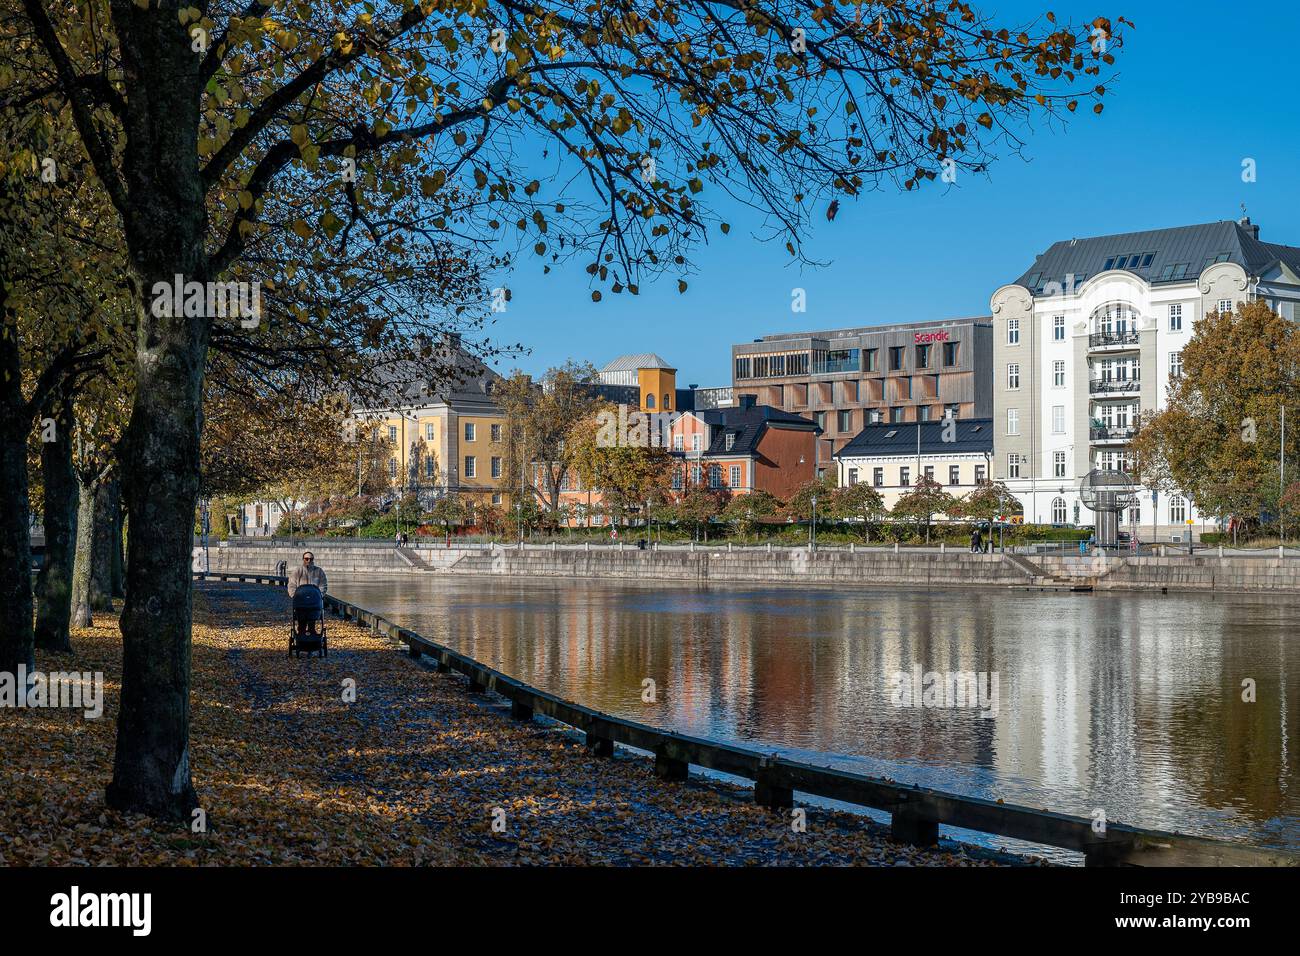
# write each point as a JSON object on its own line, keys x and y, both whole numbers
{"x": 747, "y": 424}
{"x": 1179, "y": 254}
{"x": 898, "y": 438}
{"x": 467, "y": 382}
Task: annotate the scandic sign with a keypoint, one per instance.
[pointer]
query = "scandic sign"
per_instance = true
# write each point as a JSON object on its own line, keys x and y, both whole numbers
{"x": 923, "y": 337}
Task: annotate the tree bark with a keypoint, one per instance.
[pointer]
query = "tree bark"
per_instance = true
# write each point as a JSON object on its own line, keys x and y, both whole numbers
{"x": 166, "y": 223}
{"x": 54, "y": 583}
{"x": 84, "y": 561}
{"x": 16, "y": 633}
{"x": 102, "y": 544}
{"x": 119, "y": 541}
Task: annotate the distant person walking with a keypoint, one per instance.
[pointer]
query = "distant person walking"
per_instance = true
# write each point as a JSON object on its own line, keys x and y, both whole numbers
{"x": 976, "y": 542}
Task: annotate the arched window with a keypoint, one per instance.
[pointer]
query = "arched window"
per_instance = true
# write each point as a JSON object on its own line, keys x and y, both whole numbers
{"x": 668, "y": 402}
{"x": 1058, "y": 511}
{"x": 650, "y": 401}
{"x": 1177, "y": 510}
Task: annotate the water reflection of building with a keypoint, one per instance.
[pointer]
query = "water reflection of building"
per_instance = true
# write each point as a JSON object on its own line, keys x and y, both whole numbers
{"x": 1127, "y": 703}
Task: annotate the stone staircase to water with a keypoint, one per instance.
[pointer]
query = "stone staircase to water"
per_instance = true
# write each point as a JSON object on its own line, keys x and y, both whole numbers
{"x": 1039, "y": 579}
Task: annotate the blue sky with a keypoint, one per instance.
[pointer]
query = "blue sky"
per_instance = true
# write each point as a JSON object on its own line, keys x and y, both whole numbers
{"x": 1201, "y": 88}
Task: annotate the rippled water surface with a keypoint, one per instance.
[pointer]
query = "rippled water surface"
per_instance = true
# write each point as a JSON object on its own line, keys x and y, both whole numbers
{"x": 1129, "y": 703}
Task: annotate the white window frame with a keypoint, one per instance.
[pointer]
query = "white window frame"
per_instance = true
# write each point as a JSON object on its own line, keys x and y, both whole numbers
{"x": 495, "y": 467}
{"x": 1176, "y": 317}
{"x": 1013, "y": 421}
{"x": 1058, "y": 508}
{"x": 471, "y": 432}
{"x": 1176, "y": 364}
{"x": 1058, "y": 464}
{"x": 1013, "y": 331}
{"x": 1013, "y": 465}
{"x": 1013, "y": 376}
{"x": 1228, "y": 303}
{"x": 1058, "y": 373}
{"x": 734, "y": 476}
{"x": 471, "y": 466}
{"x": 1058, "y": 328}
{"x": 1058, "y": 419}
{"x": 1177, "y": 509}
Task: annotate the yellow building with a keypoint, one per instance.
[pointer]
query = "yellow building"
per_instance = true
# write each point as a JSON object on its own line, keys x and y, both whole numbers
{"x": 653, "y": 378}
{"x": 449, "y": 441}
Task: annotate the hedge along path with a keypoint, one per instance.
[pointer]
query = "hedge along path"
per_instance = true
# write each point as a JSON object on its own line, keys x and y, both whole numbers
{"x": 415, "y": 771}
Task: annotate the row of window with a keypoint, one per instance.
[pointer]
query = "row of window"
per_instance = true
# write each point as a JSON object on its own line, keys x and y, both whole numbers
{"x": 905, "y": 476}
{"x": 1112, "y": 319}
{"x": 846, "y": 360}
{"x": 1177, "y": 511}
{"x": 471, "y": 432}
{"x": 471, "y": 467}
{"x": 1111, "y": 371}
{"x": 714, "y": 474}
{"x": 771, "y": 366}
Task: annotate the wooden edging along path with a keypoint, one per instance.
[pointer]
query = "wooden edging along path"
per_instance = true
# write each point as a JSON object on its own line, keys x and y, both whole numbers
{"x": 916, "y": 812}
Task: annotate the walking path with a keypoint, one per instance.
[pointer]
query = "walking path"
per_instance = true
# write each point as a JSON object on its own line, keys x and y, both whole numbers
{"x": 415, "y": 771}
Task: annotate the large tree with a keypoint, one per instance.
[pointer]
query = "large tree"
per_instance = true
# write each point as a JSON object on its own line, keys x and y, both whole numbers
{"x": 925, "y": 499}
{"x": 860, "y": 502}
{"x": 539, "y": 419}
{"x": 198, "y": 117}
{"x": 1219, "y": 437}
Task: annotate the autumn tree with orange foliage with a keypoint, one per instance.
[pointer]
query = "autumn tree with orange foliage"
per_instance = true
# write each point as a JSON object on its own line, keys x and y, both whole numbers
{"x": 1219, "y": 437}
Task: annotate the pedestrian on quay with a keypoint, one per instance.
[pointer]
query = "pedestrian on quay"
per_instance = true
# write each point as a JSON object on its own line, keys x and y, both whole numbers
{"x": 976, "y": 541}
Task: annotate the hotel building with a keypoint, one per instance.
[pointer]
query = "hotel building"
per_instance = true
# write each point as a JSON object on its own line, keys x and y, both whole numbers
{"x": 1091, "y": 335}
{"x": 846, "y": 379}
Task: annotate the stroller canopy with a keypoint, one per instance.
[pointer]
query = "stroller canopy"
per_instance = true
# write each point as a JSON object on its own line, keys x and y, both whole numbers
{"x": 307, "y": 597}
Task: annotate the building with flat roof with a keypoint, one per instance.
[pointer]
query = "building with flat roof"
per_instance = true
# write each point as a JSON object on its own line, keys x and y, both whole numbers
{"x": 845, "y": 379}
{"x": 1091, "y": 335}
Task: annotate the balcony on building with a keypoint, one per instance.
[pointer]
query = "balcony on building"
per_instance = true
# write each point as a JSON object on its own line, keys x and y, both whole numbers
{"x": 837, "y": 361}
{"x": 1110, "y": 434}
{"x": 1114, "y": 386}
{"x": 1114, "y": 339}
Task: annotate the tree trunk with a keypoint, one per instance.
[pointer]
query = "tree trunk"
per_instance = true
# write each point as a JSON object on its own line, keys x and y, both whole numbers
{"x": 101, "y": 565}
{"x": 84, "y": 563}
{"x": 16, "y": 635}
{"x": 54, "y": 583}
{"x": 119, "y": 532}
{"x": 166, "y": 224}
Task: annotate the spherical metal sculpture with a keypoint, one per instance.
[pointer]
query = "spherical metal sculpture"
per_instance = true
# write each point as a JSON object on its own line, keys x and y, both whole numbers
{"x": 1106, "y": 489}
{"x": 1107, "y": 492}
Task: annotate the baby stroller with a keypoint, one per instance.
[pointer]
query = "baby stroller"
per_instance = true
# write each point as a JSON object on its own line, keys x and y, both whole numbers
{"x": 307, "y": 629}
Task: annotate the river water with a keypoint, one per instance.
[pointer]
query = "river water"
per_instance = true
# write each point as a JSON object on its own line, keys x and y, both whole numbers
{"x": 1127, "y": 704}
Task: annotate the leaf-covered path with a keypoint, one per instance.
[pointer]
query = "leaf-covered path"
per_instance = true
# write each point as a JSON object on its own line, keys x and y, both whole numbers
{"x": 413, "y": 772}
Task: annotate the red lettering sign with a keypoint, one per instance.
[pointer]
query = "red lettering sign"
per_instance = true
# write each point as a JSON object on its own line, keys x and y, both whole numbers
{"x": 923, "y": 337}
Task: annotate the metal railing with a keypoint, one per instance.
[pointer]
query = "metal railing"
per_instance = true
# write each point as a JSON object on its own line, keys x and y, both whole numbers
{"x": 1103, "y": 339}
{"x": 1111, "y": 432}
{"x": 832, "y": 366}
{"x": 1103, "y": 385}
{"x": 916, "y": 812}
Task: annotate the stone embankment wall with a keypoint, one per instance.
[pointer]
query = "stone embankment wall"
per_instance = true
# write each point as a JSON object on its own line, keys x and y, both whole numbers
{"x": 837, "y": 568}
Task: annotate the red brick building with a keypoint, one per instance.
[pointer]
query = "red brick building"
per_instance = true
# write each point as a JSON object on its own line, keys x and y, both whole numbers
{"x": 739, "y": 449}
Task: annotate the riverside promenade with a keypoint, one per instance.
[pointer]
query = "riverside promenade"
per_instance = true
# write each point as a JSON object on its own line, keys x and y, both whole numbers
{"x": 414, "y": 771}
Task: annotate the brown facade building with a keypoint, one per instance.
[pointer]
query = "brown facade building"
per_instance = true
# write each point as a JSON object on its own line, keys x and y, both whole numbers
{"x": 845, "y": 379}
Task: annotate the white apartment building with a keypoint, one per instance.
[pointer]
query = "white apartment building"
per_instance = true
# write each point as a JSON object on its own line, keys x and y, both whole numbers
{"x": 1091, "y": 336}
